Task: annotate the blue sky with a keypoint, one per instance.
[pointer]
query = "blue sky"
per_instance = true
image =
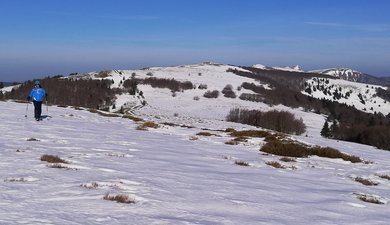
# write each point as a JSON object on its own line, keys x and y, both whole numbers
{"x": 50, "y": 37}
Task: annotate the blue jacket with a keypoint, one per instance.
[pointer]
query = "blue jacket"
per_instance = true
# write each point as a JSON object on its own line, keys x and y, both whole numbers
{"x": 37, "y": 94}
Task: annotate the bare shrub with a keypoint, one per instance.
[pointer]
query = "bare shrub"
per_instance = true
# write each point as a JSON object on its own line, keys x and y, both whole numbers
{"x": 291, "y": 149}
{"x": 241, "y": 163}
{"x": 228, "y": 91}
{"x": 52, "y": 159}
{"x": 281, "y": 121}
{"x": 366, "y": 182}
{"x": 196, "y": 98}
{"x": 211, "y": 94}
{"x": 120, "y": 198}
{"x": 252, "y": 97}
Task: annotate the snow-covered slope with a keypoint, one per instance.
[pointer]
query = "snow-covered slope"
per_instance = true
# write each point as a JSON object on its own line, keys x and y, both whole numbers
{"x": 173, "y": 177}
{"x": 352, "y": 75}
{"x": 359, "y": 95}
{"x": 191, "y": 103}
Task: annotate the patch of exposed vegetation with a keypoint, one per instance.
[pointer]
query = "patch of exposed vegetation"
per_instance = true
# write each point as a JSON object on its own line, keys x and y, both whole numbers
{"x": 369, "y": 198}
{"x": 241, "y": 163}
{"x": 148, "y": 124}
{"x": 120, "y": 198}
{"x": 32, "y": 139}
{"x": 275, "y": 164}
{"x": 365, "y": 181}
{"x": 383, "y": 176}
{"x": 287, "y": 159}
{"x": 133, "y": 118}
{"x": 293, "y": 149}
{"x": 52, "y": 159}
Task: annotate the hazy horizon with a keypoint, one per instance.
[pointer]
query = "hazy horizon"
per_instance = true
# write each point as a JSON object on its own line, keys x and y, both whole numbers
{"x": 51, "y": 37}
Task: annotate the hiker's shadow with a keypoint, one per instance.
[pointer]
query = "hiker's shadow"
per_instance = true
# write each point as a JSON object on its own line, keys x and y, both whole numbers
{"x": 45, "y": 116}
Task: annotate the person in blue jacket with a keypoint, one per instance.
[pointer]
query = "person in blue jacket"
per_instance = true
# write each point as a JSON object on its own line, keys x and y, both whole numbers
{"x": 37, "y": 94}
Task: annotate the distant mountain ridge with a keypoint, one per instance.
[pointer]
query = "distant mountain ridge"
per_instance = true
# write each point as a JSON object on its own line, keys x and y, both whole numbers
{"x": 342, "y": 73}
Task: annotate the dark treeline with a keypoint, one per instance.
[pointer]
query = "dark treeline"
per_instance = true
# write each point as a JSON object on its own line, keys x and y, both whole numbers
{"x": 171, "y": 84}
{"x": 352, "y": 124}
{"x": 88, "y": 93}
{"x": 281, "y": 121}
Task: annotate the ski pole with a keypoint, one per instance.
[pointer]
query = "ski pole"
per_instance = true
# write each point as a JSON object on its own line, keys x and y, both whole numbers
{"x": 47, "y": 109}
{"x": 25, "y": 115}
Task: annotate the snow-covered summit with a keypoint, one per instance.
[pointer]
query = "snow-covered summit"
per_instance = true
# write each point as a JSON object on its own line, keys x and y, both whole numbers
{"x": 283, "y": 68}
{"x": 343, "y": 73}
{"x": 289, "y": 68}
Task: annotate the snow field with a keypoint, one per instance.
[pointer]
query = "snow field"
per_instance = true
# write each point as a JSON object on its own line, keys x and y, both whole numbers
{"x": 173, "y": 180}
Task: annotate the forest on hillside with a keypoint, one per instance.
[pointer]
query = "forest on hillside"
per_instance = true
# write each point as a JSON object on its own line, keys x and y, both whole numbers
{"x": 348, "y": 123}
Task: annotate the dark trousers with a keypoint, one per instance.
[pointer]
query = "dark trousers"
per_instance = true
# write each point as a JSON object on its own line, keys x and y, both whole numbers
{"x": 38, "y": 109}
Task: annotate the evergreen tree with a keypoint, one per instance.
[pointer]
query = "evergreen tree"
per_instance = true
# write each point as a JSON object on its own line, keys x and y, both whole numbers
{"x": 325, "y": 129}
{"x": 1, "y": 85}
{"x": 333, "y": 129}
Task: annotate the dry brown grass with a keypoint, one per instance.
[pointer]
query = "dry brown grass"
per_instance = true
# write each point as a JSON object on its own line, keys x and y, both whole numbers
{"x": 241, "y": 163}
{"x": 293, "y": 149}
{"x": 120, "y": 198}
{"x": 369, "y": 198}
{"x": 148, "y": 124}
{"x": 275, "y": 164}
{"x": 366, "y": 182}
{"x": 52, "y": 159}
{"x": 133, "y": 118}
